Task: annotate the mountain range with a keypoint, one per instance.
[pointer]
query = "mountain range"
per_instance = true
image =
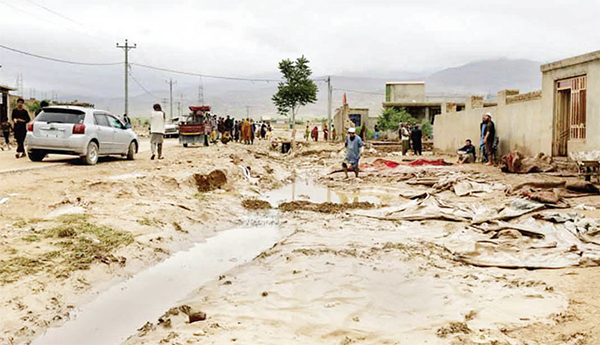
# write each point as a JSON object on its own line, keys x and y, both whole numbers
{"x": 242, "y": 98}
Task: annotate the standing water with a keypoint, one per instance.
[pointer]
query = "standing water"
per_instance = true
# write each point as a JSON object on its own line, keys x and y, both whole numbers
{"x": 117, "y": 313}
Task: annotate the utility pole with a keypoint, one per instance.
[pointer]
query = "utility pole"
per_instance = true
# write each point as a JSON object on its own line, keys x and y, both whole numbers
{"x": 180, "y": 103}
{"x": 170, "y": 82}
{"x": 126, "y": 48}
{"x": 201, "y": 92}
{"x": 329, "y": 108}
{"x": 247, "y": 111}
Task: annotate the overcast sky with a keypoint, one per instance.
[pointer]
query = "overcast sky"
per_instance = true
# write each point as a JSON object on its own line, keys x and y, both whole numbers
{"x": 246, "y": 38}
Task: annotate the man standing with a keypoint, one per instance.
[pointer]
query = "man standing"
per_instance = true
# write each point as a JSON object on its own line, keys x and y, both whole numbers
{"x": 157, "y": 131}
{"x": 20, "y": 118}
{"x": 404, "y": 137}
{"x": 417, "y": 136}
{"x": 488, "y": 139}
{"x": 353, "y": 145}
{"x": 482, "y": 128}
{"x": 5, "y": 126}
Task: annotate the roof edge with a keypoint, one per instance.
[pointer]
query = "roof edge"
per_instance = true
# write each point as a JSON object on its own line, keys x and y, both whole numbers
{"x": 575, "y": 60}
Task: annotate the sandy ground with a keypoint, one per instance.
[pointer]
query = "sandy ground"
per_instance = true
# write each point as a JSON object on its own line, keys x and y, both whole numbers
{"x": 333, "y": 278}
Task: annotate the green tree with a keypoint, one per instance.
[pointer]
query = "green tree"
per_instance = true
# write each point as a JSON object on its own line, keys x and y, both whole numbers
{"x": 390, "y": 117}
{"x": 35, "y": 106}
{"x": 427, "y": 128}
{"x": 296, "y": 89}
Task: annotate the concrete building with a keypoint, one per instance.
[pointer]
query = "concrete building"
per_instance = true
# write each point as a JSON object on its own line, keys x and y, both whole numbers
{"x": 4, "y": 101}
{"x": 412, "y": 97}
{"x": 563, "y": 117}
{"x": 346, "y": 117}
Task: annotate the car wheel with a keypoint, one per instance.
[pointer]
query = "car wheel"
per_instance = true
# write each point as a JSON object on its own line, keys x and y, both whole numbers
{"x": 185, "y": 145}
{"x": 92, "y": 154}
{"x": 36, "y": 155}
{"x": 131, "y": 151}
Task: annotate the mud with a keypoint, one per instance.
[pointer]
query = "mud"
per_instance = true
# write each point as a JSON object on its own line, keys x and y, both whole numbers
{"x": 330, "y": 277}
{"x": 215, "y": 180}
{"x": 255, "y": 204}
{"x": 326, "y": 207}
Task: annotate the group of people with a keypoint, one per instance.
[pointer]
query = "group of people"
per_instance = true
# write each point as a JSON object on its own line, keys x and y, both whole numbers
{"x": 488, "y": 144}
{"x": 411, "y": 136}
{"x": 17, "y": 123}
{"x": 314, "y": 133}
{"x": 245, "y": 131}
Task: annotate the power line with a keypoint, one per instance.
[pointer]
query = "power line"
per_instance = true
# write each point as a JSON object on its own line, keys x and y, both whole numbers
{"x": 142, "y": 86}
{"x": 363, "y": 92}
{"x": 59, "y": 60}
{"x": 55, "y": 13}
{"x": 204, "y": 75}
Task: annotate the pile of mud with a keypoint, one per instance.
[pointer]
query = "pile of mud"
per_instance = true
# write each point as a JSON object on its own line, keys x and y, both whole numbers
{"x": 255, "y": 204}
{"x": 206, "y": 183}
{"x": 326, "y": 207}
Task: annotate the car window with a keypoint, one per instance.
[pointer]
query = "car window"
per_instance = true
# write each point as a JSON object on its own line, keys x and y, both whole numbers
{"x": 60, "y": 117}
{"x": 114, "y": 122}
{"x": 101, "y": 120}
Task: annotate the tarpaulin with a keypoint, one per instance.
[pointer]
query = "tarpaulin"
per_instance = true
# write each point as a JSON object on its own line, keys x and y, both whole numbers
{"x": 420, "y": 162}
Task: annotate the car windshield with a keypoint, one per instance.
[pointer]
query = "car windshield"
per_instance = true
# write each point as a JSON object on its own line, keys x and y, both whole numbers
{"x": 61, "y": 117}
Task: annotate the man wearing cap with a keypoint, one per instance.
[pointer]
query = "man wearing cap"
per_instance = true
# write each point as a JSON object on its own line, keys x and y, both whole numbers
{"x": 354, "y": 144}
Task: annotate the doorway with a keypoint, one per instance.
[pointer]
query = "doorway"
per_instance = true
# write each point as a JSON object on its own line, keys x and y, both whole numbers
{"x": 563, "y": 117}
{"x": 570, "y": 117}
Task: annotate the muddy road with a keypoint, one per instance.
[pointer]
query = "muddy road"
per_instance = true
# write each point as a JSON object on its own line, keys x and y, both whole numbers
{"x": 282, "y": 253}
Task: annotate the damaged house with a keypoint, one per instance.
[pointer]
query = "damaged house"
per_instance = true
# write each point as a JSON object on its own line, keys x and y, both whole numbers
{"x": 558, "y": 120}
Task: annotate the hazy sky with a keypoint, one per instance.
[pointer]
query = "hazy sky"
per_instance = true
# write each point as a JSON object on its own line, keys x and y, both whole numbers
{"x": 244, "y": 38}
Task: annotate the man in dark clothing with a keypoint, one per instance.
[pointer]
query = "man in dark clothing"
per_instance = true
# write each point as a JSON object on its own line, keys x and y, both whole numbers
{"x": 416, "y": 136}
{"x": 20, "y": 117}
{"x": 466, "y": 154}
{"x": 5, "y": 126}
{"x": 127, "y": 120}
{"x": 488, "y": 139}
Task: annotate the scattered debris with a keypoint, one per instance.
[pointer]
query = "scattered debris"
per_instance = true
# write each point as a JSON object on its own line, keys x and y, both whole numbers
{"x": 196, "y": 316}
{"x": 453, "y": 328}
{"x": 517, "y": 163}
{"x": 326, "y": 207}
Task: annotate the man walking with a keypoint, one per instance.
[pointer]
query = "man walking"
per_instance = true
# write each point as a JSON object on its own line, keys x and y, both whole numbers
{"x": 353, "y": 145}
{"x": 20, "y": 118}
{"x": 157, "y": 131}
{"x": 488, "y": 139}
{"x": 417, "y": 136}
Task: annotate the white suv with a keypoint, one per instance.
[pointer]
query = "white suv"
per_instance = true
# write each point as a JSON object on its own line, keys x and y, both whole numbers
{"x": 85, "y": 132}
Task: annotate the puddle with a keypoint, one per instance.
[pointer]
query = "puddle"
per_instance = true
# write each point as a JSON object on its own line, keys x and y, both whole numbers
{"x": 307, "y": 190}
{"x": 67, "y": 210}
{"x": 125, "y": 177}
{"x": 118, "y": 312}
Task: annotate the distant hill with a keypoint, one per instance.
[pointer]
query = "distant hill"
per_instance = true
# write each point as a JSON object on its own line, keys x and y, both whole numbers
{"x": 488, "y": 76}
{"x": 364, "y": 89}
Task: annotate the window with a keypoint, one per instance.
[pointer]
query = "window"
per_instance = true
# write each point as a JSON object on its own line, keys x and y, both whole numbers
{"x": 114, "y": 122}
{"x": 101, "y": 120}
{"x": 60, "y": 117}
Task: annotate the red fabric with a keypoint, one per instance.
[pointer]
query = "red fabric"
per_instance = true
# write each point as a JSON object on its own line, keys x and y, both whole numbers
{"x": 421, "y": 161}
{"x": 382, "y": 163}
